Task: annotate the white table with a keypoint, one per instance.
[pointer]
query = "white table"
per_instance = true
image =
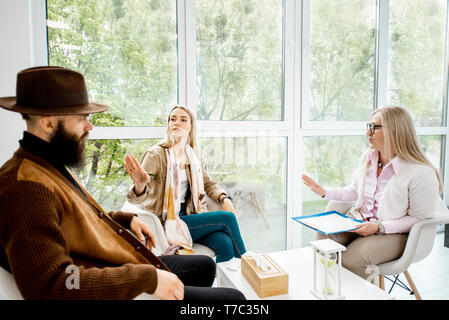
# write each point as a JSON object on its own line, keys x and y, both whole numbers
{"x": 298, "y": 263}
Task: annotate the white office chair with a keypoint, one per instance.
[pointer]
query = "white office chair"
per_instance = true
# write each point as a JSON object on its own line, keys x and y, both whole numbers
{"x": 158, "y": 231}
{"x": 419, "y": 245}
{"x": 8, "y": 287}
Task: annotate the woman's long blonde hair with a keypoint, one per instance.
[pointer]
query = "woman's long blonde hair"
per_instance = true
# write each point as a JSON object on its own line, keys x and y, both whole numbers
{"x": 400, "y": 138}
{"x": 168, "y": 141}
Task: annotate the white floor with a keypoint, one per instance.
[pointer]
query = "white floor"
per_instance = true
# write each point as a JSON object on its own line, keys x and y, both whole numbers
{"x": 431, "y": 275}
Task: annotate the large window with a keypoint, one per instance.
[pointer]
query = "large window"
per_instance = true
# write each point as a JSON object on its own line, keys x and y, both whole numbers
{"x": 342, "y": 60}
{"x": 239, "y": 60}
{"x": 253, "y": 170}
{"x": 130, "y": 55}
{"x": 325, "y": 162}
{"x": 126, "y": 51}
{"x": 279, "y": 88}
{"x": 104, "y": 175}
{"x": 417, "y": 72}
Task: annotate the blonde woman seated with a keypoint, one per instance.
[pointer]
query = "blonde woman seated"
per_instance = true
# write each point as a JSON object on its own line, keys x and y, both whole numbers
{"x": 395, "y": 186}
{"x": 172, "y": 183}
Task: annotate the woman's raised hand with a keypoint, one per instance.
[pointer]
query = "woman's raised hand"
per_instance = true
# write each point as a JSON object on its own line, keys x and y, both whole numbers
{"x": 313, "y": 185}
{"x": 137, "y": 173}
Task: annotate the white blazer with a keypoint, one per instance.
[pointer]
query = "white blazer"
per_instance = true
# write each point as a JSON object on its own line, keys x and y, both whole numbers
{"x": 413, "y": 191}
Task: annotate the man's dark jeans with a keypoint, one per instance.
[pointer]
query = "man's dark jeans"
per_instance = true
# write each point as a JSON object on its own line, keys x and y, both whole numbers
{"x": 197, "y": 273}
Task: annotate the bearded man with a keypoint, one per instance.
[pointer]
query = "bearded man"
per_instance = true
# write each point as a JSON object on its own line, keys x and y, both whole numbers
{"x": 49, "y": 223}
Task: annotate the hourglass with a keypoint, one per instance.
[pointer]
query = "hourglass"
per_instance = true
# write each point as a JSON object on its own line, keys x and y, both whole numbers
{"x": 327, "y": 257}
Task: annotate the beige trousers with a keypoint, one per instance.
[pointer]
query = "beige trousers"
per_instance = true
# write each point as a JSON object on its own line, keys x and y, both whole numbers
{"x": 364, "y": 252}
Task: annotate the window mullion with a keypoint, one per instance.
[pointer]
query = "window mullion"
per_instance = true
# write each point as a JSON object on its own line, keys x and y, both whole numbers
{"x": 38, "y": 33}
{"x": 445, "y": 142}
{"x": 190, "y": 54}
{"x": 292, "y": 105}
{"x": 181, "y": 42}
{"x": 382, "y": 54}
{"x": 306, "y": 13}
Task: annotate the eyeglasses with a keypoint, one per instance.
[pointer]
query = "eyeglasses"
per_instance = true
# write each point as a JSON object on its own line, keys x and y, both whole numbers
{"x": 372, "y": 127}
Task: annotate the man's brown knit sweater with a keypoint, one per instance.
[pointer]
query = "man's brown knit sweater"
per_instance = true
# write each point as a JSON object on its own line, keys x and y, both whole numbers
{"x": 47, "y": 224}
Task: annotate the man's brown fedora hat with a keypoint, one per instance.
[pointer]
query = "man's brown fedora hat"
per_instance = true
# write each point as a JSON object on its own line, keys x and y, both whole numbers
{"x": 51, "y": 90}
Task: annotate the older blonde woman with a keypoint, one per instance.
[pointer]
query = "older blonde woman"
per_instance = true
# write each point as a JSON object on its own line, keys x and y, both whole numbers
{"x": 395, "y": 186}
{"x": 172, "y": 183}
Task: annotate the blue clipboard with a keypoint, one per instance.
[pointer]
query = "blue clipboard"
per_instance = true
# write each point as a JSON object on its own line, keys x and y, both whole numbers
{"x": 328, "y": 213}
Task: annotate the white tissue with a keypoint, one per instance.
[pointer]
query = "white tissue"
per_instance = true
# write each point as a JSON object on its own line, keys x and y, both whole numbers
{"x": 260, "y": 261}
{"x": 233, "y": 264}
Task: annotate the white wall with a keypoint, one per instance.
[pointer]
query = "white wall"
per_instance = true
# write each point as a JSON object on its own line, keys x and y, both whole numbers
{"x": 22, "y": 39}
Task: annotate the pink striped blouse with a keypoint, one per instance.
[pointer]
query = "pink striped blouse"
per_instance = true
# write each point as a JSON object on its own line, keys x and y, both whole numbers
{"x": 372, "y": 193}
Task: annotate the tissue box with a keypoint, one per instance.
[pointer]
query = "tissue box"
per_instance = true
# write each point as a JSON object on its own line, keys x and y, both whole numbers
{"x": 265, "y": 283}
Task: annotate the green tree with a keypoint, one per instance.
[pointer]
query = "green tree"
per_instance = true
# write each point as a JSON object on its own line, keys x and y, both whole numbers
{"x": 239, "y": 60}
{"x": 126, "y": 51}
{"x": 342, "y": 60}
{"x": 417, "y": 36}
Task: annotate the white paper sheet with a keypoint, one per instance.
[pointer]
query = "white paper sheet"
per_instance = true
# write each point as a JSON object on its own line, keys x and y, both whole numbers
{"x": 330, "y": 223}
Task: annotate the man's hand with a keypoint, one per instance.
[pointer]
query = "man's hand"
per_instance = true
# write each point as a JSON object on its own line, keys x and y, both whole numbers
{"x": 169, "y": 287}
{"x": 142, "y": 230}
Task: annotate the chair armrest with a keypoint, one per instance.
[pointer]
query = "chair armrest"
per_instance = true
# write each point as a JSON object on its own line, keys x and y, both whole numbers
{"x": 8, "y": 286}
{"x": 153, "y": 222}
{"x": 419, "y": 244}
{"x": 422, "y": 235}
{"x": 158, "y": 231}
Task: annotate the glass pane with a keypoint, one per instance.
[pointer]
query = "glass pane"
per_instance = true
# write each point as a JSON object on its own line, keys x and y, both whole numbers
{"x": 342, "y": 60}
{"x": 253, "y": 171}
{"x": 431, "y": 146}
{"x": 104, "y": 175}
{"x": 325, "y": 162}
{"x": 239, "y": 60}
{"x": 127, "y": 51}
{"x": 417, "y": 35}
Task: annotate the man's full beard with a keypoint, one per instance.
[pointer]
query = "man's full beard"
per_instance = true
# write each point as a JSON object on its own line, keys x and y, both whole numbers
{"x": 70, "y": 149}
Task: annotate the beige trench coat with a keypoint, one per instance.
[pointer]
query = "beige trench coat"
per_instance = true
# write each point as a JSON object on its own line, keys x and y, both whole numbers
{"x": 154, "y": 163}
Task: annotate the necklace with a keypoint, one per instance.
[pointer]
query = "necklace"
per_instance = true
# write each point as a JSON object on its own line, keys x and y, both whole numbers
{"x": 380, "y": 165}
